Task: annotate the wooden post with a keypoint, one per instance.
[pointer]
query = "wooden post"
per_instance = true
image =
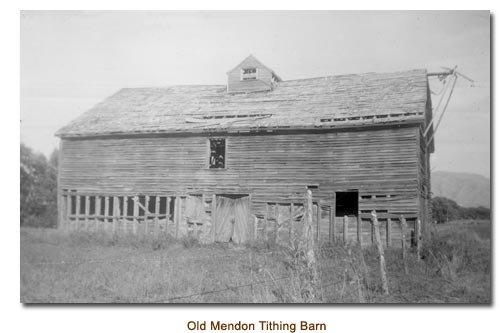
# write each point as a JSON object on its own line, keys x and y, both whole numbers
{"x": 380, "y": 249}
{"x": 157, "y": 212}
{"x": 419, "y": 238}
{"x": 97, "y": 212}
{"x": 77, "y": 213}
{"x": 136, "y": 213}
{"x": 403, "y": 242}
{"x": 346, "y": 229}
{"x": 87, "y": 211}
{"x": 214, "y": 221}
{"x": 266, "y": 215}
{"x": 388, "y": 232}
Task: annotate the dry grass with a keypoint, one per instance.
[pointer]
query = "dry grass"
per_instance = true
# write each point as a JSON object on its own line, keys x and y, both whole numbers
{"x": 80, "y": 268}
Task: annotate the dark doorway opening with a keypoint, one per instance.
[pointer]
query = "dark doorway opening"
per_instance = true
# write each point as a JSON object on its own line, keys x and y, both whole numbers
{"x": 346, "y": 203}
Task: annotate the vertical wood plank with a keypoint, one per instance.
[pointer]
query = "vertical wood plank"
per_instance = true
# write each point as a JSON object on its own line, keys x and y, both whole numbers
{"x": 125, "y": 214}
{"x": 106, "y": 213}
{"x": 214, "y": 218}
{"x": 176, "y": 215}
{"x": 136, "y": 214}
{"x": 146, "y": 215}
{"x": 97, "y": 212}
{"x": 61, "y": 210}
{"x": 116, "y": 213}
{"x": 87, "y": 211}
{"x": 334, "y": 213}
{"x": 266, "y": 214}
{"x": 157, "y": 212}
{"x": 68, "y": 211}
{"x": 77, "y": 211}
{"x": 419, "y": 238}
{"x": 292, "y": 220}
{"x": 359, "y": 230}
{"x": 276, "y": 221}
{"x": 331, "y": 225}
{"x": 168, "y": 217}
{"x": 403, "y": 242}
{"x": 249, "y": 217}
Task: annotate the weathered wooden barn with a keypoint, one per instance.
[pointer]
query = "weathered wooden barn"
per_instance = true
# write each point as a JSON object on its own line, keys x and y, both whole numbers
{"x": 232, "y": 162}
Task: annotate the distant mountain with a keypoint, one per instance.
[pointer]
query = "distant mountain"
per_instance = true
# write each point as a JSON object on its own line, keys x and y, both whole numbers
{"x": 467, "y": 189}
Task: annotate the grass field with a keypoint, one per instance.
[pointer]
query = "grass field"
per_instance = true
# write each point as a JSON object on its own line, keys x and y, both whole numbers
{"x": 78, "y": 267}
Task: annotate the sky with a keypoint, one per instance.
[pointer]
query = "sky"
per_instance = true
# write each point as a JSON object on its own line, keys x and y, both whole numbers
{"x": 72, "y": 60}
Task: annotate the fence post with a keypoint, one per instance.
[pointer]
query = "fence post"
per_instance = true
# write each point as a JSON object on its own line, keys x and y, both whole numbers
{"x": 388, "y": 232}
{"x": 346, "y": 228}
{"x": 308, "y": 249}
{"x": 380, "y": 249}
{"x": 403, "y": 241}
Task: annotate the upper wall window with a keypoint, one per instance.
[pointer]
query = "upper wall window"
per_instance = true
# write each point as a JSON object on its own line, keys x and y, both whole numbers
{"x": 217, "y": 154}
{"x": 249, "y": 74}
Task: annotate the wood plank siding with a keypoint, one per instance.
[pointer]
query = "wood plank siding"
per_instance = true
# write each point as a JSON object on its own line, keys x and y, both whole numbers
{"x": 383, "y": 164}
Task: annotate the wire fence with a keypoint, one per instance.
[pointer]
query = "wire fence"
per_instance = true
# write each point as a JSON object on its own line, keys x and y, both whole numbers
{"x": 294, "y": 276}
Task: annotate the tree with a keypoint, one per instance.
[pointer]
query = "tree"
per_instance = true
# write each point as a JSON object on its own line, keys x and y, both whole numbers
{"x": 444, "y": 209}
{"x": 38, "y": 189}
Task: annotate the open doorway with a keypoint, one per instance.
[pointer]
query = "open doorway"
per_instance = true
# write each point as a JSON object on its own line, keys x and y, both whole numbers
{"x": 346, "y": 203}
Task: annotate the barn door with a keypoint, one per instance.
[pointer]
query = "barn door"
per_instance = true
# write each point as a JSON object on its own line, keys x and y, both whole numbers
{"x": 231, "y": 216}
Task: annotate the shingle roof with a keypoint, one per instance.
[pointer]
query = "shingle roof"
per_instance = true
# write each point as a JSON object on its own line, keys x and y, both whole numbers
{"x": 333, "y": 101}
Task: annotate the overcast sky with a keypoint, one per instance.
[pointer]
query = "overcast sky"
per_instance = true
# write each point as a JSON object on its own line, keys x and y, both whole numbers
{"x": 71, "y": 61}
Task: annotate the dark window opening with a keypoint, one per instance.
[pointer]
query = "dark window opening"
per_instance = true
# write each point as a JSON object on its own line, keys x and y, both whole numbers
{"x": 249, "y": 74}
{"x": 217, "y": 153}
{"x": 346, "y": 203}
{"x": 92, "y": 205}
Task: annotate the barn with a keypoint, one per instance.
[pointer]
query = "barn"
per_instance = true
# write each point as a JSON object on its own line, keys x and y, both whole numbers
{"x": 231, "y": 163}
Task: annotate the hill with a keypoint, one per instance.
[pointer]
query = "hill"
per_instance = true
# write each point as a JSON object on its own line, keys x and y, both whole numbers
{"x": 467, "y": 189}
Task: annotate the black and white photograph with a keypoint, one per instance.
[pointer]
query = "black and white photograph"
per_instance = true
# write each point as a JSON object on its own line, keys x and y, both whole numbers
{"x": 255, "y": 157}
